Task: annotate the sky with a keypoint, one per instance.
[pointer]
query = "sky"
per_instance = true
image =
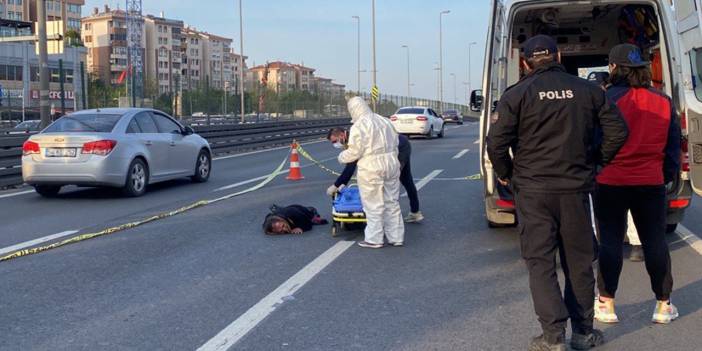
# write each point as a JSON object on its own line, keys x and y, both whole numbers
{"x": 322, "y": 34}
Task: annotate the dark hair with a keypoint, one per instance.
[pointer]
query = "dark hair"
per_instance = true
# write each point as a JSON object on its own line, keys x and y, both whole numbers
{"x": 635, "y": 77}
{"x": 541, "y": 60}
{"x": 334, "y": 131}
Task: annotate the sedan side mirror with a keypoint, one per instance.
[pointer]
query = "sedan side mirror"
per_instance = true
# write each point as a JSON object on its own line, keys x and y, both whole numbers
{"x": 188, "y": 130}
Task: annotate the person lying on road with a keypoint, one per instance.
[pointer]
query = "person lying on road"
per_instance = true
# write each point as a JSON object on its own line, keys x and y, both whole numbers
{"x": 293, "y": 219}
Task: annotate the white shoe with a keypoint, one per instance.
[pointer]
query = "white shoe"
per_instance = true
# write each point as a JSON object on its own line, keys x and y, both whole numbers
{"x": 604, "y": 311}
{"x": 414, "y": 217}
{"x": 665, "y": 312}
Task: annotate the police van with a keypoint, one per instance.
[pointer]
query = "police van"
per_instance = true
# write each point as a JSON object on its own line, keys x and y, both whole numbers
{"x": 585, "y": 31}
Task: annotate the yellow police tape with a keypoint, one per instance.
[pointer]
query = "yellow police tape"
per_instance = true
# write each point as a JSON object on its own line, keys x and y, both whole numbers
{"x": 309, "y": 157}
{"x": 119, "y": 228}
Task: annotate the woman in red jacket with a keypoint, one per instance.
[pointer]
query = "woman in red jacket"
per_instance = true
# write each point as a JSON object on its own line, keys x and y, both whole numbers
{"x": 635, "y": 181}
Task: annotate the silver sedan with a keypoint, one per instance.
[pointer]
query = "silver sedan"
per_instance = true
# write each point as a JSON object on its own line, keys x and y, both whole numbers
{"x": 126, "y": 148}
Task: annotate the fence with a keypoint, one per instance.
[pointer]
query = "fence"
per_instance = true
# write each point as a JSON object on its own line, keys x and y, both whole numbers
{"x": 389, "y": 104}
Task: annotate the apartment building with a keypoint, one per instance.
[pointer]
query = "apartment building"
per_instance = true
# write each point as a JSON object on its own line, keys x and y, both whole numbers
{"x": 216, "y": 59}
{"x": 284, "y": 77}
{"x": 104, "y": 34}
{"x": 15, "y": 10}
{"x": 235, "y": 60}
{"x": 164, "y": 40}
{"x": 192, "y": 54}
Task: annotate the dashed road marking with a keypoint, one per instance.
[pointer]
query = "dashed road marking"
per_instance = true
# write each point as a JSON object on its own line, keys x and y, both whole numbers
{"x": 232, "y": 333}
{"x": 34, "y": 242}
{"x": 248, "y": 181}
{"x": 476, "y": 142}
{"x": 690, "y": 238}
{"x": 460, "y": 154}
{"x": 424, "y": 181}
{"x": 16, "y": 194}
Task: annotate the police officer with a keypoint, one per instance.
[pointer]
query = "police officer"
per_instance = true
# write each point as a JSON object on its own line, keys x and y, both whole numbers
{"x": 548, "y": 119}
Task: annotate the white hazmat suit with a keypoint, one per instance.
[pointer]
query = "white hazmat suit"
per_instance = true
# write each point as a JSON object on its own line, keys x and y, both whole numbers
{"x": 373, "y": 142}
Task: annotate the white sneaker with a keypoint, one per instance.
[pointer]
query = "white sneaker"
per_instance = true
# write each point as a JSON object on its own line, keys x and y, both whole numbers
{"x": 397, "y": 244}
{"x": 604, "y": 311}
{"x": 368, "y": 245}
{"x": 665, "y": 312}
{"x": 414, "y": 217}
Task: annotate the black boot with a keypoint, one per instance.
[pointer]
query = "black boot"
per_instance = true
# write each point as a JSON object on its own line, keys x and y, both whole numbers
{"x": 586, "y": 342}
{"x": 539, "y": 343}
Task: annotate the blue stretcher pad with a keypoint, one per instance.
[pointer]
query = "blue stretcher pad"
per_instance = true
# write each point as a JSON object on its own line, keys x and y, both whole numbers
{"x": 348, "y": 200}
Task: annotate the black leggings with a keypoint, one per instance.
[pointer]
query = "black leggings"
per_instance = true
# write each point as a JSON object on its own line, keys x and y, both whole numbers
{"x": 648, "y": 209}
{"x": 408, "y": 182}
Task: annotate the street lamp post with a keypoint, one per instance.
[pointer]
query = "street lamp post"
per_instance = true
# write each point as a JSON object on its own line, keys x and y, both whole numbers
{"x": 358, "y": 52}
{"x": 375, "y": 70}
{"x": 469, "y": 56}
{"x": 441, "y": 61}
{"x": 455, "y": 101}
{"x": 409, "y": 92}
{"x": 241, "y": 60}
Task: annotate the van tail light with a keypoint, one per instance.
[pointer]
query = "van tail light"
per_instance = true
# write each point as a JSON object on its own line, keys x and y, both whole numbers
{"x": 30, "y": 148}
{"x": 679, "y": 203}
{"x": 422, "y": 118}
{"x": 684, "y": 155}
{"x": 100, "y": 147}
{"x": 393, "y": 118}
{"x": 504, "y": 203}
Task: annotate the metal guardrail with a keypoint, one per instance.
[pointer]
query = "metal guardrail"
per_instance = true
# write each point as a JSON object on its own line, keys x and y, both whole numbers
{"x": 222, "y": 138}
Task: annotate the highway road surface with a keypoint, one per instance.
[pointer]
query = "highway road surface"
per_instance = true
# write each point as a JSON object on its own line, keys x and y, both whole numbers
{"x": 209, "y": 279}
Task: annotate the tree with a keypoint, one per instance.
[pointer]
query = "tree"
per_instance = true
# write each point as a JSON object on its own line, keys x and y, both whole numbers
{"x": 72, "y": 38}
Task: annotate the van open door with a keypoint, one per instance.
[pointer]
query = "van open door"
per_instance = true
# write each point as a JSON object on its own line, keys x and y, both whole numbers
{"x": 498, "y": 211}
{"x": 690, "y": 40}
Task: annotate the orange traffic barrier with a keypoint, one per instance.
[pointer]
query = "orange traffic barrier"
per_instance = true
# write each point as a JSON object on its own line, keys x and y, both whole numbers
{"x": 295, "y": 171}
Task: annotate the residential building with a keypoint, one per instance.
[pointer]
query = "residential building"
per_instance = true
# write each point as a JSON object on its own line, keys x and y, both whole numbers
{"x": 104, "y": 34}
{"x": 322, "y": 86}
{"x": 192, "y": 54}
{"x": 216, "y": 60}
{"x": 235, "y": 59}
{"x": 164, "y": 40}
{"x": 19, "y": 78}
{"x": 15, "y": 10}
{"x": 68, "y": 11}
{"x": 283, "y": 77}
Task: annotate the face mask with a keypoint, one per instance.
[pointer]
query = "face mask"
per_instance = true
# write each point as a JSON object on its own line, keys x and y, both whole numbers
{"x": 338, "y": 145}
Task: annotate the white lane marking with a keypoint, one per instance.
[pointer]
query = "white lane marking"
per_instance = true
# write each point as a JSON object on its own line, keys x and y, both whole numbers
{"x": 248, "y": 181}
{"x": 16, "y": 194}
{"x": 31, "y": 243}
{"x": 424, "y": 181}
{"x": 460, "y": 154}
{"x": 690, "y": 238}
{"x": 476, "y": 142}
{"x": 265, "y": 150}
{"x": 232, "y": 333}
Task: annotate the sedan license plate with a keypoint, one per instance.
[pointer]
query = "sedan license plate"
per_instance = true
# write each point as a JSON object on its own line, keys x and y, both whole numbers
{"x": 407, "y": 121}
{"x": 61, "y": 152}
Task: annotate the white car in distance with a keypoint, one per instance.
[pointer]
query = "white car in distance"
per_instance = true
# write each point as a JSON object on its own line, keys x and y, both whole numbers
{"x": 418, "y": 120}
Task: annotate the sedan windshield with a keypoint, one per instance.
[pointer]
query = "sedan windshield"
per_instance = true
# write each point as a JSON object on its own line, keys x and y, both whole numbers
{"x": 91, "y": 123}
{"x": 410, "y": 111}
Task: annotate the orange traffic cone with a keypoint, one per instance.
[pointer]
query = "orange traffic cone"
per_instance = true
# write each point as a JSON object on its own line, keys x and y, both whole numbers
{"x": 295, "y": 171}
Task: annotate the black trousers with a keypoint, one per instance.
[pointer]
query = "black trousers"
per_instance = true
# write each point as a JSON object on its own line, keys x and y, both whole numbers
{"x": 648, "y": 209}
{"x": 562, "y": 223}
{"x": 407, "y": 182}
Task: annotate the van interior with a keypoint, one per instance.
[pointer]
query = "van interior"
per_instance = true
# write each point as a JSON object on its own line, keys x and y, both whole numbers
{"x": 586, "y": 32}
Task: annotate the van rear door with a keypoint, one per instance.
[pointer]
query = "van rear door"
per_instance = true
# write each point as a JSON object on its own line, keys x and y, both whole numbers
{"x": 493, "y": 83}
{"x": 690, "y": 40}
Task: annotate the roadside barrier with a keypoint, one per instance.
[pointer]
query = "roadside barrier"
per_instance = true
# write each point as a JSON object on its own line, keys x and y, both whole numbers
{"x": 126, "y": 226}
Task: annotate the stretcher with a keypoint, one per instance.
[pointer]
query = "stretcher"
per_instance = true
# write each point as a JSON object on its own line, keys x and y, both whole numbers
{"x": 347, "y": 209}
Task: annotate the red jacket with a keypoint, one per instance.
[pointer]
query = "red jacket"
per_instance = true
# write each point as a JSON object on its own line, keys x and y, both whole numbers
{"x": 651, "y": 155}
